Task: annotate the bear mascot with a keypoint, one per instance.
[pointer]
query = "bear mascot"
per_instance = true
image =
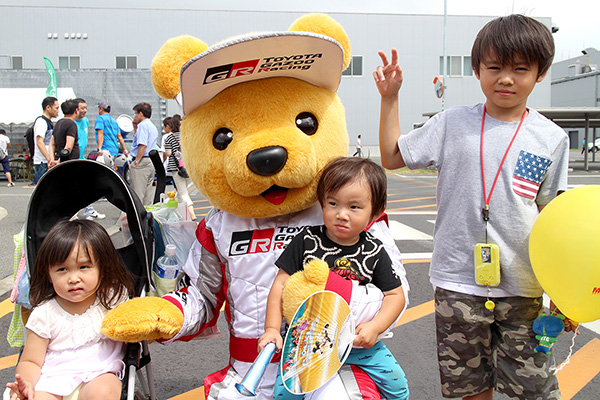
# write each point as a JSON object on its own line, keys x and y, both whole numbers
{"x": 261, "y": 120}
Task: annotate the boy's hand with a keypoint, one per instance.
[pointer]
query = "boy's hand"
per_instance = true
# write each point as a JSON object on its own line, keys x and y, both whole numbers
{"x": 20, "y": 389}
{"x": 366, "y": 334}
{"x": 388, "y": 77}
{"x": 270, "y": 335}
{"x": 570, "y": 326}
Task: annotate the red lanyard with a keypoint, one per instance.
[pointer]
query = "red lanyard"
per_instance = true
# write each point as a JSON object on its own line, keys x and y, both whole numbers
{"x": 486, "y": 200}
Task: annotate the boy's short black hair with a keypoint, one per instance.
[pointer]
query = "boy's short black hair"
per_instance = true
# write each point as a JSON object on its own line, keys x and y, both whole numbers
{"x": 344, "y": 170}
{"x": 69, "y": 107}
{"x": 48, "y": 101}
{"x": 513, "y": 36}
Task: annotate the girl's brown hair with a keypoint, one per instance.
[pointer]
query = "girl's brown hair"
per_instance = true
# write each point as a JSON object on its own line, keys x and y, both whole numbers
{"x": 344, "y": 170}
{"x": 175, "y": 123}
{"x": 115, "y": 281}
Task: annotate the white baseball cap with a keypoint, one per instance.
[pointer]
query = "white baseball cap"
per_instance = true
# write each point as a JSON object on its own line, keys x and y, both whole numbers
{"x": 311, "y": 57}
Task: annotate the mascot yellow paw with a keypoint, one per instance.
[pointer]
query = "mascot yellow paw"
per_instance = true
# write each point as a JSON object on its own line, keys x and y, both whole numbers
{"x": 140, "y": 319}
{"x": 302, "y": 284}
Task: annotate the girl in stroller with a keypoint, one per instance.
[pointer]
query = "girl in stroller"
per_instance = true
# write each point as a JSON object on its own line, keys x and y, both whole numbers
{"x": 77, "y": 277}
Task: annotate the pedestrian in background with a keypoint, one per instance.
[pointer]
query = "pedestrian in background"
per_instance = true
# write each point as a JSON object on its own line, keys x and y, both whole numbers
{"x": 83, "y": 124}
{"x": 42, "y": 133}
{"x": 358, "y": 147}
{"x": 4, "y": 146}
{"x": 108, "y": 134}
{"x": 64, "y": 135}
{"x": 142, "y": 171}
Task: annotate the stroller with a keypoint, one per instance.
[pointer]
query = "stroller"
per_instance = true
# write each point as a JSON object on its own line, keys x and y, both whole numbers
{"x": 60, "y": 194}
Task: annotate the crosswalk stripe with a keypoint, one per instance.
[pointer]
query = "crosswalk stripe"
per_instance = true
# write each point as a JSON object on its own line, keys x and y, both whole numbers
{"x": 582, "y": 368}
{"x": 402, "y": 231}
{"x": 411, "y": 199}
{"x": 416, "y": 312}
{"x": 416, "y": 257}
{"x": 6, "y": 307}
{"x": 411, "y": 208}
{"x": 9, "y": 361}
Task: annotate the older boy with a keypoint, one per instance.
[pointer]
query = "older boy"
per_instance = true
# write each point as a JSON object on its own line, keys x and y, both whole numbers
{"x": 486, "y": 198}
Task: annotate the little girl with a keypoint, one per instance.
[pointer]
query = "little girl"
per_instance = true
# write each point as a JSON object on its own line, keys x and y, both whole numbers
{"x": 78, "y": 276}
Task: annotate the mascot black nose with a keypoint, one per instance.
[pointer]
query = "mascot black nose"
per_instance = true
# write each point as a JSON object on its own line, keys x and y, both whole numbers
{"x": 267, "y": 161}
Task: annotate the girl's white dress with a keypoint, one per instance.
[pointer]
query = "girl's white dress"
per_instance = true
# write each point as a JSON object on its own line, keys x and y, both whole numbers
{"x": 78, "y": 351}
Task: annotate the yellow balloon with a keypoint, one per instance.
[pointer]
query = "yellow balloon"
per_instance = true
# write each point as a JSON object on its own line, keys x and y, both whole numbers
{"x": 564, "y": 248}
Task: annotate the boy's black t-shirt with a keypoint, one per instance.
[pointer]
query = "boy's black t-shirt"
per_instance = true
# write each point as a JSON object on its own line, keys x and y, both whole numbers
{"x": 63, "y": 128}
{"x": 366, "y": 261}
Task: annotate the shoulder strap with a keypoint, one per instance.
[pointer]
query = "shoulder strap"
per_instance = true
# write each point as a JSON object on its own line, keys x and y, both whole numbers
{"x": 48, "y": 121}
{"x": 175, "y": 137}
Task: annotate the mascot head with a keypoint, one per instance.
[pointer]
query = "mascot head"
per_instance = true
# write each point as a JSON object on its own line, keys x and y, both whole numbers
{"x": 261, "y": 113}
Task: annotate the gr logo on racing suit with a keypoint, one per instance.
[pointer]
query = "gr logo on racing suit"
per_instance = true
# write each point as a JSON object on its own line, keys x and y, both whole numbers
{"x": 262, "y": 241}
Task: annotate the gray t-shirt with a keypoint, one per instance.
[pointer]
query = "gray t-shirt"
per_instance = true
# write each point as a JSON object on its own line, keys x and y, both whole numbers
{"x": 450, "y": 141}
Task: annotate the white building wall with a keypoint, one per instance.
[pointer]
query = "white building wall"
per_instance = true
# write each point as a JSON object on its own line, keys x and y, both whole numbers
{"x": 140, "y": 28}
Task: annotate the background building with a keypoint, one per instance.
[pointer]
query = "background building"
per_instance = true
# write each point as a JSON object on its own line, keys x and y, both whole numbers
{"x": 576, "y": 83}
{"x": 105, "y": 52}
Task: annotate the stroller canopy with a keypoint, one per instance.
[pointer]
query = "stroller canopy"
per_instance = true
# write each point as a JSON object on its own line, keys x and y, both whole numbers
{"x": 71, "y": 186}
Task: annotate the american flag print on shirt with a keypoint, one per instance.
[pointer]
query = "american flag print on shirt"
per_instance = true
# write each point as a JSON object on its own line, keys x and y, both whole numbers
{"x": 529, "y": 173}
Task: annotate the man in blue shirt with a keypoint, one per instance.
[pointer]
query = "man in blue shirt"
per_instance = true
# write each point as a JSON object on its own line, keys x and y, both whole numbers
{"x": 108, "y": 134}
{"x": 142, "y": 171}
{"x": 83, "y": 124}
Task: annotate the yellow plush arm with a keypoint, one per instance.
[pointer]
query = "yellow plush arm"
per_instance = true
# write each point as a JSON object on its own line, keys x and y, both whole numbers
{"x": 140, "y": 319}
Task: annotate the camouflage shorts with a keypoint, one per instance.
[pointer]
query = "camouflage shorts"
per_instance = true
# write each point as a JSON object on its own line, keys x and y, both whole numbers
{"x": 480, "y": 349}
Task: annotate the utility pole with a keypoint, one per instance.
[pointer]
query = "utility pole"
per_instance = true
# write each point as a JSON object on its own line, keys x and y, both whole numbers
{"x": 445, "y": 63}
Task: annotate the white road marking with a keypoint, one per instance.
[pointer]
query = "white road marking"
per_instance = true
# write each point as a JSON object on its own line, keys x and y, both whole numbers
{"x": 416, "y": 256}
{"x": 405, "y": 232}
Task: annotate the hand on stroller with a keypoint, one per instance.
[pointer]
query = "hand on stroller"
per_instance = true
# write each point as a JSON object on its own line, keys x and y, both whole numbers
{"x": 146, "y": 318}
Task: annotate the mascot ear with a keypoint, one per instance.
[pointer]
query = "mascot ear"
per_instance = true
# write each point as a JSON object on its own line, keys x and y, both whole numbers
{"x": 167, "y": 63}
{"x": 325, "y": 25}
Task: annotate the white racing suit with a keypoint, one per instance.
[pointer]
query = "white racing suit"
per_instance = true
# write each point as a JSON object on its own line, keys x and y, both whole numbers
{"x": 233, "y": 262}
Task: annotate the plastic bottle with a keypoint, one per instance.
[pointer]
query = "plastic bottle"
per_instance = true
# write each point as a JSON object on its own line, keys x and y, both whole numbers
{"x": 171, "y": 204}
{"x": 166, "y": 271}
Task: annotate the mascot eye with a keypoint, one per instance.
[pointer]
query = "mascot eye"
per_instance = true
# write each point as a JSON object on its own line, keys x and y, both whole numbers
{"x": 307, "y": 123}
{"x": 222, "y": 138}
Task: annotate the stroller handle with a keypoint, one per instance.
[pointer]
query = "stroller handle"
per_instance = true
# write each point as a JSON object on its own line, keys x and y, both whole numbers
{"x": 161, "y": 176}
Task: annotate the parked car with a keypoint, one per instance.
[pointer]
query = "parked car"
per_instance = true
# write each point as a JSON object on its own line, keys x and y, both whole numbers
{"x": 595, "y": 147}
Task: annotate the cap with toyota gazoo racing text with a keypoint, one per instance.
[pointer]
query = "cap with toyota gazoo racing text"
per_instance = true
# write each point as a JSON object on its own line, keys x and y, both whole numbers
{"x": 293, "y": 54}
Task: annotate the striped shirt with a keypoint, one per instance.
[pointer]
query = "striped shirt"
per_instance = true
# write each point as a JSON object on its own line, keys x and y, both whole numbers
{"x": 172, "y": 142}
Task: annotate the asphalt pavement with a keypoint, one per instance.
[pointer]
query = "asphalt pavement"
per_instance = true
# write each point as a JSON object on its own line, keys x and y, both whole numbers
{"x": 181, "y": 367}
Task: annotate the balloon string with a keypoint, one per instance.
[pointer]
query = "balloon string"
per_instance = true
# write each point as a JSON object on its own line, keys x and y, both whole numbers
{"x": 568, "y": 360}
